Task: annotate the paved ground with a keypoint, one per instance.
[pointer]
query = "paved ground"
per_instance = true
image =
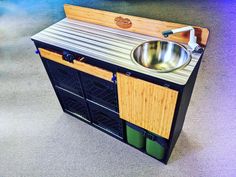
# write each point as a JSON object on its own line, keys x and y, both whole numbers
{"x": 38, "y": 140}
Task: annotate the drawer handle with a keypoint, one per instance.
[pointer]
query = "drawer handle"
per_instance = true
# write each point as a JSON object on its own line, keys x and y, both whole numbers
{"x": 68, "y": 57}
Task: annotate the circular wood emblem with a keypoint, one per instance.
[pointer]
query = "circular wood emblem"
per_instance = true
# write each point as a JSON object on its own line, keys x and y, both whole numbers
{"x": 123, "y": 22}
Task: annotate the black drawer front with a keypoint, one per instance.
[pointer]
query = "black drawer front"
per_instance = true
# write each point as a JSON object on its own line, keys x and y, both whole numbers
{"x": 100, "y": 91}
{"x": 65, "y": 77}
{"x": 106, "y": 119}
{"x": 73, "y": 104}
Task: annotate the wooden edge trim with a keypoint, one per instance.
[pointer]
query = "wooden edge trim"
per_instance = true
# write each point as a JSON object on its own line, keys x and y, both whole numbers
{"x": 84, "y": 67}
{"x": 135, "y": 24}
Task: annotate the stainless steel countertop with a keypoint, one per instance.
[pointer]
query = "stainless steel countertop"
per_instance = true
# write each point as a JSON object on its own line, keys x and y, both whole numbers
{"x": 107, "y": 44}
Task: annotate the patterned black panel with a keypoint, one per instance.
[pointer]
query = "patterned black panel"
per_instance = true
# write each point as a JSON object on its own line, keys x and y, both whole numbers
{"x": 73, "y": 103}
{"x": 100, "y": 91}
{"x": 106, "y": 119}
{"x": 65, "y": 77}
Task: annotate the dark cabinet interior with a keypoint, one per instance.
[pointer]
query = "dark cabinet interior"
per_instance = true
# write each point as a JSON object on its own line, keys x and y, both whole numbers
{"x": 65, "y": 77}
{"x": 106, "y": 119}
{"x": 73, "y": 103}
{"x": 87, "y": 97}
{"x": 100, "y": 91}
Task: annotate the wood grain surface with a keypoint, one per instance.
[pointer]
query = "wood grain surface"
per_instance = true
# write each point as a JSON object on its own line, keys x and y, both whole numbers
{"x": 145, "y": 104}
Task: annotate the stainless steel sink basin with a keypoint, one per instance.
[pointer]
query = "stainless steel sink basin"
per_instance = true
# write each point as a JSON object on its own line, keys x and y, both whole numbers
{"x": 161, "y": 56}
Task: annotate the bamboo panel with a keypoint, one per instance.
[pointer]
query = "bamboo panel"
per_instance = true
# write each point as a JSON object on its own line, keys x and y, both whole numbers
{"x": 147, "y": 105}
{"x": 84, "y": 67}
{"x": 133, "y": 23}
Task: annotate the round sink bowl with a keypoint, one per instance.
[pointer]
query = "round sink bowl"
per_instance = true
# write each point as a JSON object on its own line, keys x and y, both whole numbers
{"x": 161, "y": 56}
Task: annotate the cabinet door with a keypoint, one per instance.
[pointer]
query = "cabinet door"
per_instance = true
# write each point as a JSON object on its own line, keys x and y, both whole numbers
{"x": 145, "y": 104}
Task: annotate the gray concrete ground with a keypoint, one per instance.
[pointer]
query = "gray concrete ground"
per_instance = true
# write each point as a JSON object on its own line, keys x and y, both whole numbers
{"x": 38, "y": 140}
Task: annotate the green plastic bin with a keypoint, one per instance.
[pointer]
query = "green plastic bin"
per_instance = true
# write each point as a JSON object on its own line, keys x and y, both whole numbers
{"x": 135, "y": 136}
{"x": 155, "y": 146}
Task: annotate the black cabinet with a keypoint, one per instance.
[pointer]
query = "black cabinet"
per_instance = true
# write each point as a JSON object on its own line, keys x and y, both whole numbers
{"x": 93, "y": 99}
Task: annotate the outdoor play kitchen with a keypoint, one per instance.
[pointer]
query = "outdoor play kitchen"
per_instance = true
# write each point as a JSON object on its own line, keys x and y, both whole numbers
{"x": 128, "y": 76}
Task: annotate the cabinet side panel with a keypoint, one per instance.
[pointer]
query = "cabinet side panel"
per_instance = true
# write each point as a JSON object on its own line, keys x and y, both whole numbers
{"x": 145, "y": 104}
{"x": 182, "y": 110}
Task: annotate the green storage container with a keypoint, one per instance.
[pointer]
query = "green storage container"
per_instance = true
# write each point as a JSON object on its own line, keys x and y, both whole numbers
{"x": 155, "y": 146}
{"x": 135, "y": 136}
